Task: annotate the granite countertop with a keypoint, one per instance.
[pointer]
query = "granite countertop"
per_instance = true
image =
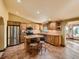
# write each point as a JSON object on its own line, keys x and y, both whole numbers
{"x": 52, "y": 32}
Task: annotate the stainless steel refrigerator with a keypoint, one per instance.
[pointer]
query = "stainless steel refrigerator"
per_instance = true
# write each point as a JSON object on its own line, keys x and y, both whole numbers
{"x": 13, "y": 35}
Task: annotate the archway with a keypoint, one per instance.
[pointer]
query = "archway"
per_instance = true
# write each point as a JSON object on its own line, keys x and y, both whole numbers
{"x": 1, "y": 33}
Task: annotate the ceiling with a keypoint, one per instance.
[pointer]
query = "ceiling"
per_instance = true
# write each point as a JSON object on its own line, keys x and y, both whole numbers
{"x": 44, "y": 10}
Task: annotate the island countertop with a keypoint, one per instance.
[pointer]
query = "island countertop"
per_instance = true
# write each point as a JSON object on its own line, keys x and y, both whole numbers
{"x": 48, "y": 33}
{"x": 54, "y": 33}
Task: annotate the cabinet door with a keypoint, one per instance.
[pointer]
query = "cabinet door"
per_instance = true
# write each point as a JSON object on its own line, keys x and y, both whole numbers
{"x": 57, "y": 41}
{"x": 52, "y": 40}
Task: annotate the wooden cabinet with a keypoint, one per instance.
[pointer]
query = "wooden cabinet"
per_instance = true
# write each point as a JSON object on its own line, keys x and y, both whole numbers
{"x": 57, "y": 40}
{"x": 22, "y": 29}
{"x": 54, "y": 32}
{"x": 48, "y": 38}
{"x": 35, "y": 26}
{"x": 54, "y": 25}
{"x": 53, "y": 39}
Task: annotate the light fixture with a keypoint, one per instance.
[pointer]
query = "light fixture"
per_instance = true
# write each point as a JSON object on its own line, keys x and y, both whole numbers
{"x": 49, "y": 19}
{"x": 19, "y": 1}
{"x": 38, "y": 12}
{"x": 16, "y": 12}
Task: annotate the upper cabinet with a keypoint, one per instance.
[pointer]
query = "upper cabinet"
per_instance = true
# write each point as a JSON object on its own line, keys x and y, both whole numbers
{"x": 58, "y": 25}
{"x": 35, "y": 26}
{"x": 54, "y": 25}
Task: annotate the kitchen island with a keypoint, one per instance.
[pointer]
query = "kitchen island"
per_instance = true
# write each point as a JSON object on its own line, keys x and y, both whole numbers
{"x": 53, "y": 37}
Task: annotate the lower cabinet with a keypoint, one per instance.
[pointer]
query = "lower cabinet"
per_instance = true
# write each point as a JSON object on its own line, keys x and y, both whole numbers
{"x": 54, "y": 40}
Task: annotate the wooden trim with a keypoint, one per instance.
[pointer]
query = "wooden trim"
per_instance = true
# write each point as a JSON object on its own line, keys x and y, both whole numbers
{"x": 15, "y": 45}
{"x": 3, "y": 50}
{"x": 49, "y": 43}
{"x": 7, "y": 36}
{"x": 62, "y": 45}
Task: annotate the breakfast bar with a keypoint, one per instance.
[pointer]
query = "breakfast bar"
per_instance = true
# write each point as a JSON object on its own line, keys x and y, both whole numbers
{"x": 53, "y": 37}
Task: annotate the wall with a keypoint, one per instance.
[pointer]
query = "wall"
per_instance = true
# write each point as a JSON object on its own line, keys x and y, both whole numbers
{"x": 15, "y": 18}
{"x": 63, "y": 24}
{"x": 4, "y": 14}
{"x": 1, "y": 33}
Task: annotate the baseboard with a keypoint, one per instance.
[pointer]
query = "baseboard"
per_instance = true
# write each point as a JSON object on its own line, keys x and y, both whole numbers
{"x": 16, "y": 44}
{"x": 10, "y": 46}
{"x": 3, "y": 50}
{"x": 50, "y": 43}
{"x": 63, "y": 45}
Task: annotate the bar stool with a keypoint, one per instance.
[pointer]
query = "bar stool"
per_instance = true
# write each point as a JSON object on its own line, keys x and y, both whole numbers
{"x": 33, "y": 46}
{"x": 42, "y": 43}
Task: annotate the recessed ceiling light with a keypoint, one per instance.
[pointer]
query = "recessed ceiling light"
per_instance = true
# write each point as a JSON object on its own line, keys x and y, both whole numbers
{"x": 19, "y": 1}
{"x": 49, "y": 19}
{"x": 16, "y": 12}
{"x": 38, "y": 12}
